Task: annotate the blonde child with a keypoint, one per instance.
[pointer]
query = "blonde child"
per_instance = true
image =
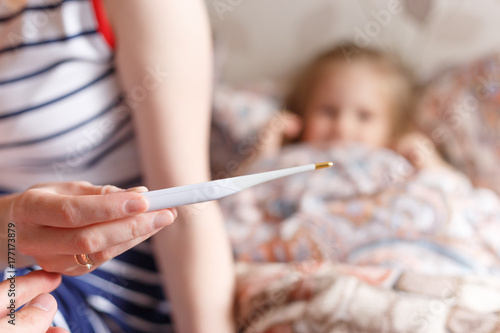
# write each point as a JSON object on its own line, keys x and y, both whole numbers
{"x": 353, "y": 94}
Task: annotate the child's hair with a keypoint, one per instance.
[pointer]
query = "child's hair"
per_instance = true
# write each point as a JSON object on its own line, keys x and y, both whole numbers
{"x": 399, "y": 79}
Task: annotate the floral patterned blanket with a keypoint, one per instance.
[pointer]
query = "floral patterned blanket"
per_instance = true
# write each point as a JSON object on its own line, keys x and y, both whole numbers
{"x": 386, "y": 248}
{"x": 322, "y": 297}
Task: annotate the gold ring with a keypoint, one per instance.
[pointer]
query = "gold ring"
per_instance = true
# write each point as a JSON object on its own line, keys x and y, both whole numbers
{"x": 83, "y": 260}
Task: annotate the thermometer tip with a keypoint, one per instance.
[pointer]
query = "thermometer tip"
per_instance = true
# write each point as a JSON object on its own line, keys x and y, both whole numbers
{"x": 323, "y": 165}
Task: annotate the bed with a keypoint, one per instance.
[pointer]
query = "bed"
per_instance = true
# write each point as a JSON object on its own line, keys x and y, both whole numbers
{"x": 370, "y": 245}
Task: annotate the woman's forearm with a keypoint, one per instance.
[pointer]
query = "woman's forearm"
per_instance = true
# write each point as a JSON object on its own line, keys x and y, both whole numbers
{"x": 197, "y": 264}
{"x": 172, "y": 126}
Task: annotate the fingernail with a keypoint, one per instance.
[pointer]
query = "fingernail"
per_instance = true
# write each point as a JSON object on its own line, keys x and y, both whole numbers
{"x": 163, "y": 219}
{"x": 135, "y": 205}
{"x": 44, "y": 302}
{"x": 138, "y": 189}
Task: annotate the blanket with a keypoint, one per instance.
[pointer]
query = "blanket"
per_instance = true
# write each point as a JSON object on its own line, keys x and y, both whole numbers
{"x": 322, "y": 297}
{"x": 371, "y": 210}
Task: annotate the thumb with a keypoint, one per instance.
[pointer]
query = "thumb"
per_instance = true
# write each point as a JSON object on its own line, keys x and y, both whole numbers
{"x": 37, "y": 315}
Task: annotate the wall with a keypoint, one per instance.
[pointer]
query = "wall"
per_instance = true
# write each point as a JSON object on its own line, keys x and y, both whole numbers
{"x": 269, "y": 38}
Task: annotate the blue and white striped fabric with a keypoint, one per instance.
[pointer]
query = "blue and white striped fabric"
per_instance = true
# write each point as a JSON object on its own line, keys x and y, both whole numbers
{"x": 63, "y": 118}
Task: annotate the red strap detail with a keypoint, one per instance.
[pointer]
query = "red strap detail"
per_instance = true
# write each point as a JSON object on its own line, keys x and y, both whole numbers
{"x": 103, "y": 23}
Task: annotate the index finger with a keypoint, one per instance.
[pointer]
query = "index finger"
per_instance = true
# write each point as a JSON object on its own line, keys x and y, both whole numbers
{"x": 66, "y": 211}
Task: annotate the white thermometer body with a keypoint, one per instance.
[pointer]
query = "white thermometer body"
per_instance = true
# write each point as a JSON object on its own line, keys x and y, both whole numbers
{"x": 216, "y": 189}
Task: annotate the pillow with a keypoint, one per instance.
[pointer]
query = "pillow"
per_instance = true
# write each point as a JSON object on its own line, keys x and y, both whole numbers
{"x": 238, "y": 116}
{"x": 460, "y": 112}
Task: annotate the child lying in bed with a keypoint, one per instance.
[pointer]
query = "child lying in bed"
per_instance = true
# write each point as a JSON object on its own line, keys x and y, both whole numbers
{"x": 430, "y": 221}
{"x": 376, "y": 237}
{"x": 352, "y": 94}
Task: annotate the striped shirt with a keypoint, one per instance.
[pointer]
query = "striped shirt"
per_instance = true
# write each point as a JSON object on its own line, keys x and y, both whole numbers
{"x": 63, "y": 118}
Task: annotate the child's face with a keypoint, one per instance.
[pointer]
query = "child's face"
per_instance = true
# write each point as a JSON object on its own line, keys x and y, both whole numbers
{"x": 349, "y": 103}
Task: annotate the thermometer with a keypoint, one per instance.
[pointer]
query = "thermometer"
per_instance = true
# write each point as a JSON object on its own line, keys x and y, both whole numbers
{"x": 216, "y": 189}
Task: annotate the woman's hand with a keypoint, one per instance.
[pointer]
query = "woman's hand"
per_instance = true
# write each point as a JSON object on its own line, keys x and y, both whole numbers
{"x": 38, "y": 314}
{"x": 55, "y": 221}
